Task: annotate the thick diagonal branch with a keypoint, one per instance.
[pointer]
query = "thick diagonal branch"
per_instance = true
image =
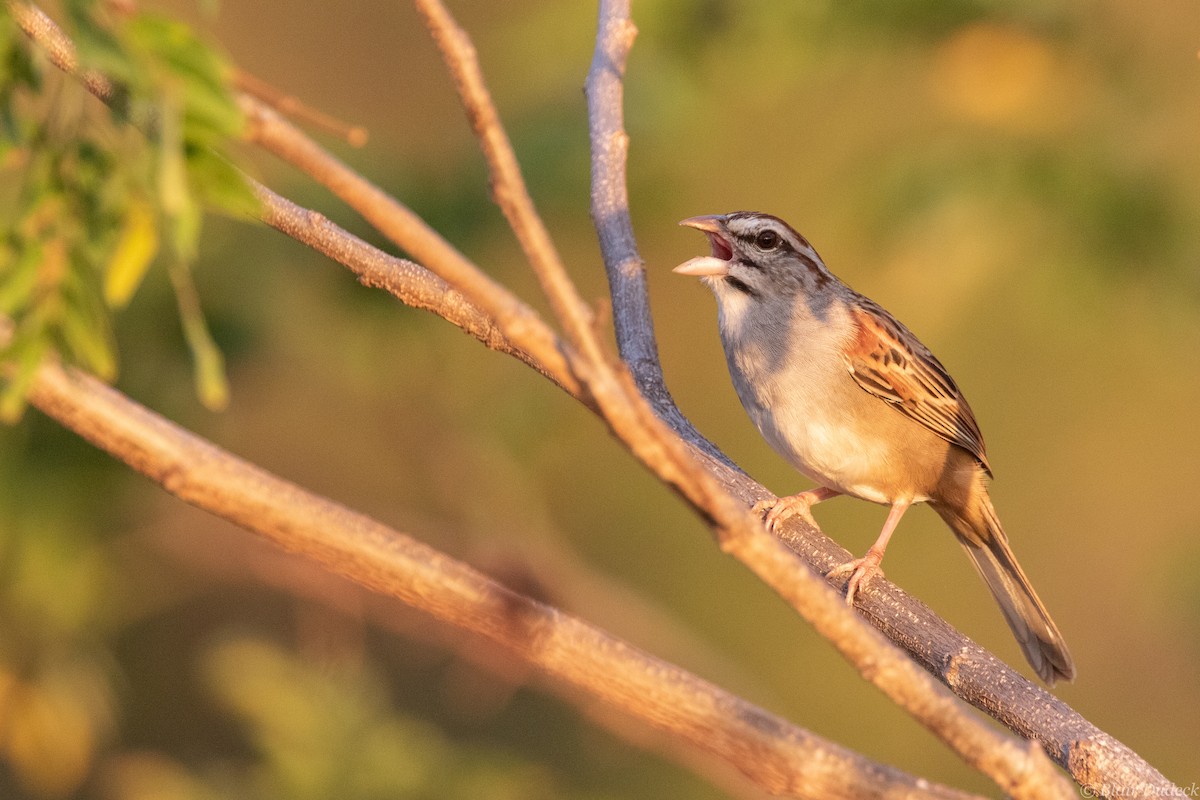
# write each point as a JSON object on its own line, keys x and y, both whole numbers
{"x": 776, "y": 755}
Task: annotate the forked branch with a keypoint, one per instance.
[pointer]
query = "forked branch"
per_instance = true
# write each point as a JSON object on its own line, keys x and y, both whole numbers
{"x": 1094, "y": 758}
{"x": 1019, "y": 768}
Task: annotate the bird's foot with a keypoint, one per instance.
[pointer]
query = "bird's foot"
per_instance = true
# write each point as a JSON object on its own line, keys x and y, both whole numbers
{"x": 777, "y": 510}
{"x": 860, "y": 570}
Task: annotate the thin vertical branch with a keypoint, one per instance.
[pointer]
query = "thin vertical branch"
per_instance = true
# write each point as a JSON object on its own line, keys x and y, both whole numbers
{"x": 508, "y": 185}
{"x": 605, "y": 89}
{"x": 623, "y": 264}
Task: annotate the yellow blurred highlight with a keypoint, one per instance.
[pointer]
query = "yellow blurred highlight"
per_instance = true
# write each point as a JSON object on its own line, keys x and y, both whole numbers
{"x": 134, "y": 251}
{"x": 993, "y": 73}
{"x": 146, "y": 776}
{"x": 49, "y": 730}
{"x": 946, "y": 259}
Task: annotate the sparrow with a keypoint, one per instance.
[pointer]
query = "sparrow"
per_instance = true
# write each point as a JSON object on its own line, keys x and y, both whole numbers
{"x": 850, "y": 397}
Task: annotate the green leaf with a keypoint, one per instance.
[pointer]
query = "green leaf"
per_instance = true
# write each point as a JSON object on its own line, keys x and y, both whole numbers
{"x": 173, "y": 193}
{"x": 208, "y": 108}
{"x": 19, "y": 279}
{"x": 220, "y": 185}
{"x": 85, "y": 330}
{"x": 212, "y": 386}
{"x": 26, "y": 351}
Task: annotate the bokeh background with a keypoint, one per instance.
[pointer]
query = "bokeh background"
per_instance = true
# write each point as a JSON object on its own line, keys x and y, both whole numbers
{"x": 1018, "y": 181}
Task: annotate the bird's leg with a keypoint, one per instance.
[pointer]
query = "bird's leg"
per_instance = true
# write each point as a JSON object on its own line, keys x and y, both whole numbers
{"x": 863, "y": 569}
{"x": 797, "y": 505}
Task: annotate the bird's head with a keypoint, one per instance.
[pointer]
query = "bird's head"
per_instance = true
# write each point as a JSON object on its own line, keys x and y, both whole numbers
{"x": 755, "y": 255}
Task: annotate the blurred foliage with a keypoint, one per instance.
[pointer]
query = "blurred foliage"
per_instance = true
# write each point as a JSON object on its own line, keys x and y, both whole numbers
{"x": 321, "y": 733}
{"x": 1017, "y": 180}
{"x": 93, "y": 185}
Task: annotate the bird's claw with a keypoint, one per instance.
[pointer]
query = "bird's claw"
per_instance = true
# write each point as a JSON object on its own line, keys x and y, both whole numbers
{"x": 778, "y": 510}
{"x": 860, "y": 570}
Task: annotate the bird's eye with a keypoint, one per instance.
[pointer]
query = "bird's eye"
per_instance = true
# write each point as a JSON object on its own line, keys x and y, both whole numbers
{"x": 767, "y": 240}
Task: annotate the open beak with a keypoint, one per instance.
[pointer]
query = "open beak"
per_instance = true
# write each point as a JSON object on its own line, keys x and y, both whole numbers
{"x": 713, "y": 226}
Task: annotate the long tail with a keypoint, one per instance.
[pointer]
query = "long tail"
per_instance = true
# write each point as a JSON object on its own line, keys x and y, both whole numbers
{"x": 979, "y": 530}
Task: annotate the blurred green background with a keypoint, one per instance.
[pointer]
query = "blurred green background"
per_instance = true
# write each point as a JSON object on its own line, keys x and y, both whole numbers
{"x": 1018, "y": 181}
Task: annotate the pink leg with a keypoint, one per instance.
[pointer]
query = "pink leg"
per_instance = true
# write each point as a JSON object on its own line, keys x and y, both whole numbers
{"x": 796, "y": 505}
{"x": 863, "y": 569}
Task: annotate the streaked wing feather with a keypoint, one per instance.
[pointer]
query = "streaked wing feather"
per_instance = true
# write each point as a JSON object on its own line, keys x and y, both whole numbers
{"x": 888, "y": 361}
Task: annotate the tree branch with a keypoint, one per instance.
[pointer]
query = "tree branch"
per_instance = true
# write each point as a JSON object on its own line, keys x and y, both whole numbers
{"x": 255, "y": 87}
{"x": 1094, "y": 758}
{"x": 516, "y": 321}
{"x": 508, "y": 186}
{"x": 230, "y": 558}
{"x": 1021, "y": 769}
{"x": 377, "y": 269}
{"x": 605, "y": 90}
{"x": 60, "y": 49}
{"x": 776, "y": 755}
{"x": 407, "y": 281}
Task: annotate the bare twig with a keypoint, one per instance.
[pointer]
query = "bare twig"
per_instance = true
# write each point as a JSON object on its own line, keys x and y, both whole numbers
{"x": 508, "y": 187}
{"x": 780, "y": 757}
{"x": 632, "y": 321}
{"x": 61, "y": 50}
{"x": 605, "y": 89}
{"x": 407, "y": 281}
{"x": 254, "y": 86}
{"x": 513, "y": 318}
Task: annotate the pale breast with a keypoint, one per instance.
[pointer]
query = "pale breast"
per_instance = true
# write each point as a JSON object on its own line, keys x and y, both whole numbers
{"x": 828, "y": 443}
{"x": 809, "y": 409}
